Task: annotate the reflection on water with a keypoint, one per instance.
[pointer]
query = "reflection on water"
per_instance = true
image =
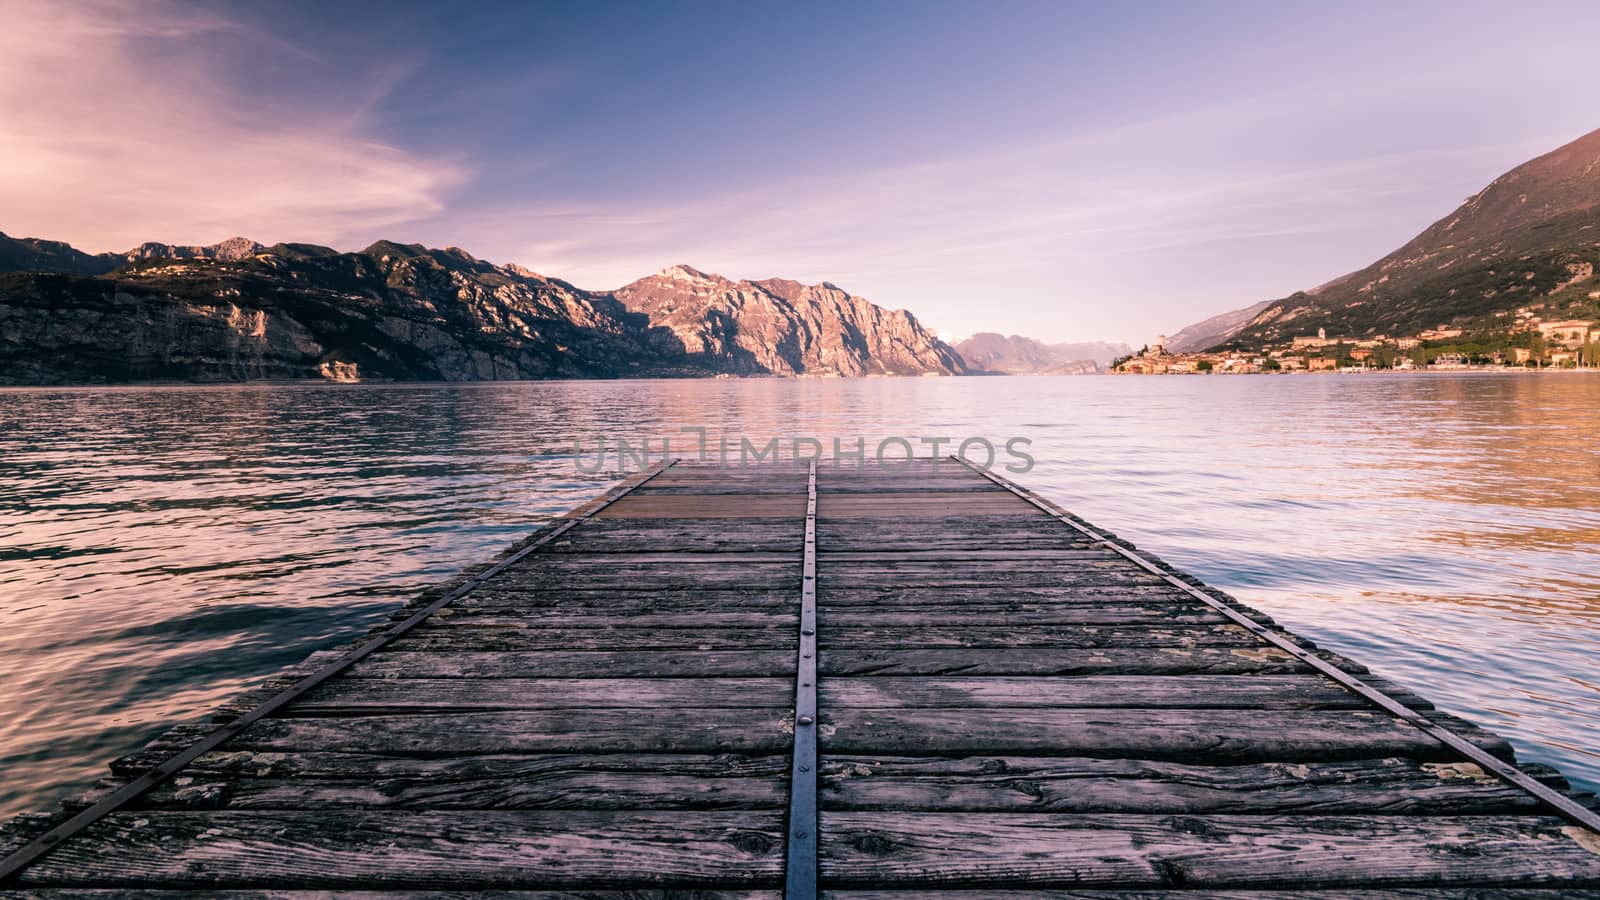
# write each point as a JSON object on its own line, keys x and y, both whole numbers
{"x": 164, "y": 548}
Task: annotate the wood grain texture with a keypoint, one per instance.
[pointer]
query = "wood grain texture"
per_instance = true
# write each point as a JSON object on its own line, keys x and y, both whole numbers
{"x": 719, "y": 506}
{"x": 937, "y": 598}
{"x": 1254, "y": 692}
{"x": 428, "y": 734}
{"x": 882, "y": 849}
{"x": 1393, "y": 785}
{"x": 689, "y": 617}
{"x": 762, "y": 576}
{"x": 367, "y": 849}
{"x": 242, "y": 779}
{"x": 1226, "y": 660}
{"x": 753, "y": 535}
{"x": 1074, "y": 637}
{"x": 734, "y": 663}
{"x": 355, "y": 695}
{"x": 916, "y": 505}
{"x": 621, "y": 599}
{"x": 1245, "y": 894}
{"x": 523, "y": 636}
{"x": 407, "y": 894}
{"x": 1193, "y": 735}
{"x": 1016, "y": 615}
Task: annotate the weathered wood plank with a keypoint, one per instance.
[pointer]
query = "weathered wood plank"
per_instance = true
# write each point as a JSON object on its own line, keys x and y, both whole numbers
{"x": 954, "y": 531}
{"x": 930, "y": 604}
{"x": 366, "y": 849}
{"x": 1260, "y": 692}
{"x": 1089, "y": 576}
{"x": 685, "y": 892}
{"x": 1086, "y": 785}
{"x": 757, "y": 576}
{"x": 883, "y": 849}
{"x": 710, "y": 469}
{"x": 976, "y": 553}
{"x": 1061, "y": 636}
{"x": 1054, "y": 561}
{"x": 570, "y": 664}
{"x": 544, "y": 617}
{"x": 938, "y": 596}
{"x": 1192, "y": 735}
{"x": 544, "y": 693}
{"x": 843, "y": 662}
{"x": 676, "y": 730}
{"x": 720, "y": 506}
{"x": 530, "y": 637}
{"x": 242, "y": 779}
{"x": 585, "y": 562}
{"x": 1018, "y": 615}
{"x": 917, "y": 505}
{"x": 493, "y": 594}
{"x": 1252, "y": 894}
{"x": 1248, "y": 894}
{"x": 663, "y": 613}
{"x": 689, "y": 535}
{"x": 1243, "y": 660}
{"x": 930, "y": 484}
{"x": 705, "y": 488}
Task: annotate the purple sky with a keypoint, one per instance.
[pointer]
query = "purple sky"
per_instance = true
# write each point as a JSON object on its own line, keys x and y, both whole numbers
{"x": 1063, "y": 171}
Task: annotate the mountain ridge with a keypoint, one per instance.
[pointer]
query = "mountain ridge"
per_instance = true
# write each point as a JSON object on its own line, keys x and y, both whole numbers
{"x": 785, "y": 327}
{"x": 238, "y": 310}
{"x": 1529, "y": 237}
{"x": 992, "y": 352}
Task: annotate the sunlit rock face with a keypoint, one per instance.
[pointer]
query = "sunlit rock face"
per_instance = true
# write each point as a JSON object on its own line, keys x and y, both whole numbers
{"x": 298, "y": 311}
{"x": 783, "y": 327}
{"x": 239, "y": 311}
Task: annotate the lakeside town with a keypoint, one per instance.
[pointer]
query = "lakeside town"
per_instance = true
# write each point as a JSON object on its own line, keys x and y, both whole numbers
{"x": 1528, "y": 342}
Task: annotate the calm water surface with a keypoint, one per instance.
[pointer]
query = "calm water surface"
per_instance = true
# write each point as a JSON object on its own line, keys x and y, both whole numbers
{"x": 164, "y": 548}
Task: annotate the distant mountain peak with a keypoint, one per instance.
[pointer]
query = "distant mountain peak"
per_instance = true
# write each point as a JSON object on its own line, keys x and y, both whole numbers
{"x": 990, "y": 351}
{"x": 394, "y": 248}
{"x": 683, "y": 272}
{"x": 230, "y": 250}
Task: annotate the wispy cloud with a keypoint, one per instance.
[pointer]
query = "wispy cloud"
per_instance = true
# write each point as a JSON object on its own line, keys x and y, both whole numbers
{"x": 1072, "y": 221}
{"x": 118, "y": 124}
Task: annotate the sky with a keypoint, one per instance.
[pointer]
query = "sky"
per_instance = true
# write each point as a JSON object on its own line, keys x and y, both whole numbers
{"x": 1067, "y": 171}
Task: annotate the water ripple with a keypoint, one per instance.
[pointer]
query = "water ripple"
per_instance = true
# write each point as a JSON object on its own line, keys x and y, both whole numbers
{"x": 164, "y": 548}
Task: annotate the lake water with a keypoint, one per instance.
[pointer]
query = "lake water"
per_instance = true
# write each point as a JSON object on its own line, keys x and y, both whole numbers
{"x": 164, "y": 548}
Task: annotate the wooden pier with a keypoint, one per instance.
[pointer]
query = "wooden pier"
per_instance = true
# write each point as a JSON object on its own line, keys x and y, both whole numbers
{"x": 855, "y": 681}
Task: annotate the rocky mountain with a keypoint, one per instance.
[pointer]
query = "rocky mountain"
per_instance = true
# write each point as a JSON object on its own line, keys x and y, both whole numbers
{"x": 35, "y": 255}
{"x": 1213, "y": 331}
{"x": 783, "y": 327}
{"x": 987, "y": 351}
{"x": 234, "y": 248}
{"x": 1531, "y": 237}
{"x": 239, "y": 311}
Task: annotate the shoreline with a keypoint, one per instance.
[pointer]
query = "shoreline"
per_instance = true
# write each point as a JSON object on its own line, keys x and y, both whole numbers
{"x": 309, "y": 382}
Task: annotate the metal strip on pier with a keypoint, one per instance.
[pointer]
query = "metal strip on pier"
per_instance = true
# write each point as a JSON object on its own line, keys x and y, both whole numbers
{"x": 800, "y": 879}
{"x": 1564, "y": 805}
{"x": 115, "y": 800}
